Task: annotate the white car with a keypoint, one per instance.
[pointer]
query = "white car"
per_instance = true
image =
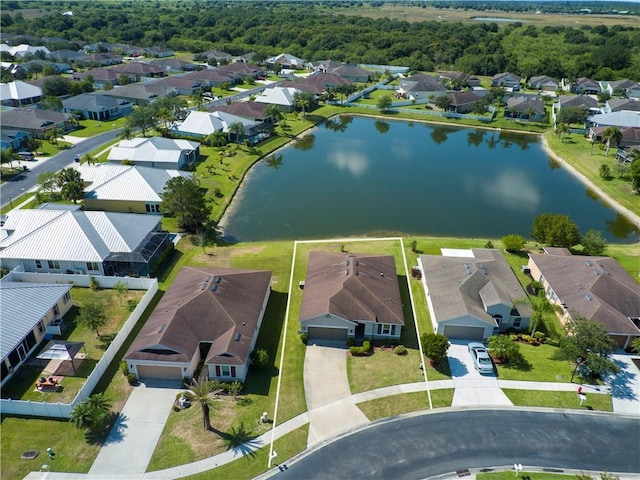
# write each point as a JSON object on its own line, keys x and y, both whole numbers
{"x": 481, "y": 359}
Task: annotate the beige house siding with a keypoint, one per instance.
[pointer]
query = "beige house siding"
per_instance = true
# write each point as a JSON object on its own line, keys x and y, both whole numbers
{"x": 329, "y": 321}
{"x": 466, "y": 321}
{"x": 115, "y": 205}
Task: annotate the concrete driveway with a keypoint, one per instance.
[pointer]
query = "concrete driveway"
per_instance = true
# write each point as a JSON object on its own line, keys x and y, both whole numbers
{"x": 625, "y": 387}
{"x": 326, "y": 389}
{"x": 133, "y": 438}
{"x": 472, "y": 388}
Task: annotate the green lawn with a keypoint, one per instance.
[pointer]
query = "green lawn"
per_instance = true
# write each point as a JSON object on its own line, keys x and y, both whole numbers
{"x": 539, "y": 364}
{"x": 405, "y": 403}
{"x": 509, "y": 475}
{"x": 549, "y": 399}
{"x": 89, "y": 128}
{"x": 251, "y": 466}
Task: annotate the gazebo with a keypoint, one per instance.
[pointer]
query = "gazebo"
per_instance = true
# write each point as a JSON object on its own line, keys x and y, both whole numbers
{"x": 62, "y": 351}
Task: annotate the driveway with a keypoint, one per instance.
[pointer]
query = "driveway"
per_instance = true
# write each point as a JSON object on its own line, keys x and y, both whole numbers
{"x": 625, "y": 387}
{"x": 472, "y": 388}
{"x": 326, "y": 389}
{"x": 133, "y": 438}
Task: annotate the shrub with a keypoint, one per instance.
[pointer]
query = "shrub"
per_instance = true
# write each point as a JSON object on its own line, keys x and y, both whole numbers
{"x": 503, "y": 347}
{"x": 527, "y": 339}
{"x": 176, "y": 408}
{"x": 513, "y": 242}
{"x": 124, "y": 367}
{"x": 94, "y": 284}
{"x": 259, "y": 358}
{"x": 539, "y": 336}
{"x": 489, "y": 244}
{"x": 400, "y": 350}
{"x": 361, "y": 351}
{"x": 304, "y": 337}
{"x": 435, "y": 347}
{"x": 131, "y": 305}
{"x": 132, "y": 379}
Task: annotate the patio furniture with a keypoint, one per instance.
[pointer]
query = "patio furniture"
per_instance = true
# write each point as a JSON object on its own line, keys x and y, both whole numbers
{"x": 47, "y": 382}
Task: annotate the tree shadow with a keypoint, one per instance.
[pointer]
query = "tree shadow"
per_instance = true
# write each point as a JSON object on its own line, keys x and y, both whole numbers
{"x": 622, "y": 383}
{"x": 239, "y": 440}
{"x": 115, "y": 434}
{"x": 409, "y": 337}
{"x": 456, "y": 367}
{"x": 166, "y": 268}
{"x": 105, "y": 340}
{"x": 518, "y": 362}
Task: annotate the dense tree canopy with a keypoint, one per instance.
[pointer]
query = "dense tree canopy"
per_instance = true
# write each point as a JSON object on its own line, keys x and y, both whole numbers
{"x": 184, "y": 200}
{"x": 555, "y": 230}
{"x": 314, "y": 32}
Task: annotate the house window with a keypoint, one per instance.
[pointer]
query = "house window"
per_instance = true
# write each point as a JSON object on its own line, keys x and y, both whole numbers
{"x": 152, "y": 208}
{"x": 386, "y": 329}
{"x": 38, "y": 264}
{"x": 92, "y": 266}
{"x": 66, "y": 297}
{"x": 53, "y": 264}
{"x": 225, "y": 371}
{"x": 40, "y": 327}
{"x": 516, "y": 322}
{"x": 56, "y": 310}
{"x": 498, "y": 319}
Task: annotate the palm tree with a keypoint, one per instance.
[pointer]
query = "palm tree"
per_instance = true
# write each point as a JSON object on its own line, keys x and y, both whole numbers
{"x": 611, "y": 135}
{"x": 92, "y": 414}
{"x": 202, "y": 391}
{"x": 53, "y": 135}
{"x": 236, "y": 129}
{"x": 9, "y": 156}
{"x": 126, "y": 133}
{"x": 561, "y": 130}
{"x": 542, "y": 308}
{"x": 274, "y": 112}
{"x": 88, "y": 159}
{"x": 274, "y": 161}
{"x": 216, "y": 139}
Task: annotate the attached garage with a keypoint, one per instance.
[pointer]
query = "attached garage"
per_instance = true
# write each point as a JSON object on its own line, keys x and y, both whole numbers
{"x": 157, "y": 372}
{"x": 460, "y": 331}
{"x": 324, "y": 333}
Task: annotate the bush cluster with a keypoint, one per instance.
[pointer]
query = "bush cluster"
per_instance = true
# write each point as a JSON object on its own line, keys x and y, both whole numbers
{"x": 361, "y": 351}
{"x": 400, "y": 350}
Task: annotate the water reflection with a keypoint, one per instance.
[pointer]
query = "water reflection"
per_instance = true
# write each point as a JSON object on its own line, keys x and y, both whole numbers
{"x": 475, "y": 137}
{"x": 274, "y": 161}
{"x": 621, "y": 227}
{"x": 350, "y": 159}
{"x": 305, "y": 142}
{"x": 339, "y": 123}
{"x": 514, "y": 191}
{"x": 381, "y": 127}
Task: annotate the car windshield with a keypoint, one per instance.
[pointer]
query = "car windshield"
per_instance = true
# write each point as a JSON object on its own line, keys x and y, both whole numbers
{"x": 484, "y": 361}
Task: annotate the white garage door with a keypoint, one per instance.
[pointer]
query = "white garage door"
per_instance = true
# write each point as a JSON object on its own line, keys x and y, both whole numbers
{"x": 155, "y": 372}
{"x": 459, "y": 331}
{"x": 323, "y": 333}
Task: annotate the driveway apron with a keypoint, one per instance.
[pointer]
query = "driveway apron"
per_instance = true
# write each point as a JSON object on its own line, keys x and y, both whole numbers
{"x": 326, "y": 388}
{"x": 472, "y": 388}
{"x": 625, "y": 387}
{"x": 132, "y": 440}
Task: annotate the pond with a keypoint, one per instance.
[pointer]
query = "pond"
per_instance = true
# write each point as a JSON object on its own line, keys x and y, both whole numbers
{"x": 362, "y": 176}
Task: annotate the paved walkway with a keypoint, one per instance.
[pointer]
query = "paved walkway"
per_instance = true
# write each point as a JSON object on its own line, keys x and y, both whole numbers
{"x": 625, "y": 391}
{"x": 326, "y": 388}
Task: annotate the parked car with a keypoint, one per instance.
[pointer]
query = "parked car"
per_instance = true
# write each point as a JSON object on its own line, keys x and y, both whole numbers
{"x": 28, "y": 156}
{"x": 481, "y": 359}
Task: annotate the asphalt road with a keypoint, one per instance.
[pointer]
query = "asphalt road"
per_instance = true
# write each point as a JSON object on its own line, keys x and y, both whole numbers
{"x": 433, "y": 444}
{"x": 29, "y": 179}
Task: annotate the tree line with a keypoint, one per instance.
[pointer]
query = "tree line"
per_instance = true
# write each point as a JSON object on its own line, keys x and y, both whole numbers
{"x": 313, "y": 32}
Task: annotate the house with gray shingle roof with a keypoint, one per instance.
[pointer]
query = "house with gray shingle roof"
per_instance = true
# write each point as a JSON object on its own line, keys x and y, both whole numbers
{"x": 175, "y": 65}
{"x": 210, "y": 316}
{"x": 94, "y": 243}
{"x": 103, "y": 76}
{"x": 180, "y": 84}
{"x": 544, "y": 83}
{"x": 140, "y": 94}
{"x": 597, "y": 288}
{"x": 34, "y": 121}
{"x": 95, "y": 106}
{"x": 473, "y": 294}
{"x": 286, "y": 61}
{"x": 156, "y": 152}
{"x": 351, "y": 72}
{"x": 125, "y": 188}
{"x": 619, "y": 104}
{"x": 351, "y": 296}
{"x": 507, "y": 80}
{"x": 525, "y": 107}
{"x": 420, "y": 86}
{"x": 28, "y": 312}
{"x": 463, "y": 102}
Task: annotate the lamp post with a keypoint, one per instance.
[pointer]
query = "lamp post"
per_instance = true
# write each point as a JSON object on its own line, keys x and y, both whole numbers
{"x": 10, "y": 203}
{"x": 578, "y": 363}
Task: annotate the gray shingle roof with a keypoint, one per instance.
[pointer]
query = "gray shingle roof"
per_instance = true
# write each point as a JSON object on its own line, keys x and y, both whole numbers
{"x": 23, "y": 306}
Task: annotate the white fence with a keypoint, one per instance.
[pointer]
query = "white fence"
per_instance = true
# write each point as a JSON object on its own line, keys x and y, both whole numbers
{"x": 62, "y": 410}
{"x": 134, "y": 283}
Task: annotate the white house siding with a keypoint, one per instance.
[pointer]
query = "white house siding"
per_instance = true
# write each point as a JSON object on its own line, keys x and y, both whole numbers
{"x": 30, "y": 266}
{"x": 240, "y": 373}
{"x": 138, "y": 368}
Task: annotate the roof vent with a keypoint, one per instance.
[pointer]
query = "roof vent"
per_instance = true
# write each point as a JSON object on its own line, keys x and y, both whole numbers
{"x": 214, "y": 287}
{"x": 206, "y": 282}
{"x": 217, "y": 279}
{"x": 588, "y": 297}
{"x": 161, "y": 328}
{"x": 596, "y": 271}
{"x": 238, "y": 336}
{"x": 357, "y": 272}
{"x": 346, "y": 272}
{"x": 588, "y": 263}
{"x": 467, "y": 267}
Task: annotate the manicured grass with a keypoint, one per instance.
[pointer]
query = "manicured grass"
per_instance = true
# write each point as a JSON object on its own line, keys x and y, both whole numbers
{"x": 540, "y": 364}
{"x": 549, "y": 399}
{"x": 89, "y": 128}
{"x": 17, "y": 201}
{"x": 576, "y": 150}
{"x": 74, "y": 453}
{"x": 254, "y": 464}
{"x": 405, "y": 403}
{"x": 48, "y": 149}
{"x": 508, "y": 475}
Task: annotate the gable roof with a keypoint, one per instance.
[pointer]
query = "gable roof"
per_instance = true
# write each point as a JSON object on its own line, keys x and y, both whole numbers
{"x": 218, "y": 305}
{"x": 240, "y": 67}
{"x": 597, "y": 288}
{"x": 286, "y": 58}
{"x": 243, "y": 109}
{"x": 19, "y": 90}
{"x": 205, "y": 123}
{"x": 461, "y": 286}
{"x": 623, "y": 118}
{"x": 283, "y": 96}
{"x": 618, "y": 104}
{"x": 464, "y": 97}
{"x": 32, "y": 118}
{"x": 126, "y": 182}
{"x": 506, "y": 76}
{"x": 33, "y": 301}
{"x": 152, "y": 149}
{"x": 578, "y": 101}
{"x": 75, "y": 236}
{"x": 92, "y": 101}
{"x": 209, "y": 75}
{"x": 146, "y": 91}
{"x": 138, "y": 68}
{"x": 543, "y": 80}
{"x": 350, "y": 70}
{"x": 353, "y": 287}
{"x": 522, "y": 104}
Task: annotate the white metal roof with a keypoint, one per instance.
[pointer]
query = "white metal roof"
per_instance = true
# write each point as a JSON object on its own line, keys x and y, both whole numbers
{"x": 23, "y": 306}
{"x": 278, "y": 96}
{"x": 19, "y": 90}
{"x": 205, "y": 123}
{"x": 129, "y": 183}
{"x": 623, "y": 118}
{"x": 152, "y": 149}
{"x": 74, "y": 236}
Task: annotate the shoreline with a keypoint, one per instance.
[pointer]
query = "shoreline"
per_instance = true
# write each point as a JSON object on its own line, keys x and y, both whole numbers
{"x": 635, "y": 219}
